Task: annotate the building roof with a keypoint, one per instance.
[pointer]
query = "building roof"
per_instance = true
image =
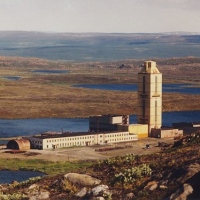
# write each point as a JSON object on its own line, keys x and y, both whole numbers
{"x": 149, "y": 67}
{"x": 21, "y": 144}
{"x": 47, "y": 135}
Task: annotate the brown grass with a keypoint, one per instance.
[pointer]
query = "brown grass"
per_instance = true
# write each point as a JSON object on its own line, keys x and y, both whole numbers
{"x": 37, "y": 95}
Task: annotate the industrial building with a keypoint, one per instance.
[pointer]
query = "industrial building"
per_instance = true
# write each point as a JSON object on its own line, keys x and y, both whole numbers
{"x": 54, "y": 140}
{"x": 108, "y": 129}
{"x": 150, "y": 96}
{"x": 150, "y": 102}
{"x": 19, "y": 144}
{"x": 187, "y": 127}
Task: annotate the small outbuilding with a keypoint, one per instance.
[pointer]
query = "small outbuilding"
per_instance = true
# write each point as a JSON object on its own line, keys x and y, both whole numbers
{"x": 19, "y": 144}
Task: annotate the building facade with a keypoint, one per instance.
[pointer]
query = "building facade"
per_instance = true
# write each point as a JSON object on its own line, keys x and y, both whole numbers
{"x": 52, "y": 140}
{"x": 150, "y": 96}
{"x": 107, "y": 122}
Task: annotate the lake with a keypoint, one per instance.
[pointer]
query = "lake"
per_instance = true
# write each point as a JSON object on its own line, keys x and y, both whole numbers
{"x": 12, "y": 78}
{"x": 48, "y": 71}
{"x": 7, "y": 176}
{"x": 24, "y": 127}
{"x": 179, "y": 88}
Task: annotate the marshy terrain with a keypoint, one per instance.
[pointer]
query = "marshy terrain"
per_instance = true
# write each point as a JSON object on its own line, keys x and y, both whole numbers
{"x": 28, "y": 92}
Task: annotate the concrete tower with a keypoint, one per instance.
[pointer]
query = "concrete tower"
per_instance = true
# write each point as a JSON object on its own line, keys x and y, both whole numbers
{"x": 150, "y": 96}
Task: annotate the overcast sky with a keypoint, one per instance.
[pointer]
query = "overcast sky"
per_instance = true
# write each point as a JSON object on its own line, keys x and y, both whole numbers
{"x": 124, "y": 16}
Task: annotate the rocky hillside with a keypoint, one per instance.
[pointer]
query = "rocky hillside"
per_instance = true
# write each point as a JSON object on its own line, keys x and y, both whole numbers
{"x": 171, "y": 174}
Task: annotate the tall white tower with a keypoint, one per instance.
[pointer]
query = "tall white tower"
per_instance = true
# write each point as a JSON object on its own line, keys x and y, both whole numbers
{"x": 150, "y": 96}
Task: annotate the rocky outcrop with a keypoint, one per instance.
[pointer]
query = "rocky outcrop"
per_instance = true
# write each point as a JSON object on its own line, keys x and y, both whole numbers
{"x": 187, "y": 177}
{"x": 182, "y": 193}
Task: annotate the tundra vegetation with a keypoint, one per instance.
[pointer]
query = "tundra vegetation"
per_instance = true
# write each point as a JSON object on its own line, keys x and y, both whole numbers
{"x": 168, "y": 170}
{"x": 37, "y": 95}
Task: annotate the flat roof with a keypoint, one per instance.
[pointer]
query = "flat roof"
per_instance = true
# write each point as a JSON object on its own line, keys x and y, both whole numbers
{"x": 71, "y": 134}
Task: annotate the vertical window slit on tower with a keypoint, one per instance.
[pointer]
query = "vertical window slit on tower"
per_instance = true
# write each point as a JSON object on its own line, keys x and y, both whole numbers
{"x": 143, "y": 84}
{"x": 156, "y": 84}
{"x": 143, "y": 108}
{"x": 156, "y": 112}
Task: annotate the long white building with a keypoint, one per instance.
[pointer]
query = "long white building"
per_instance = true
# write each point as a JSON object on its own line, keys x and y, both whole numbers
{"x": 52, "y": 140}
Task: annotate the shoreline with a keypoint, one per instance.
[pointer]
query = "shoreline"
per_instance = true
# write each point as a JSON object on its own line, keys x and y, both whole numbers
{"x": 86, "y": 117}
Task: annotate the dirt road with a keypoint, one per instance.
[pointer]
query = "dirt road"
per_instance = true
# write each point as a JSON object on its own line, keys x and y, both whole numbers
{"x": 89, "y": 153}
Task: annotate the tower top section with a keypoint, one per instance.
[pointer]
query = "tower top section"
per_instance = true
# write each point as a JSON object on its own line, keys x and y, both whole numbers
{"x": 149, "y": 67}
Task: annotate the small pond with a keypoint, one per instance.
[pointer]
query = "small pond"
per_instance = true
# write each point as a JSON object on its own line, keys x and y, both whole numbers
{"x": 12, "y": 78}
{"x": 7, "y": 176}
{"x": 48, "y": 71}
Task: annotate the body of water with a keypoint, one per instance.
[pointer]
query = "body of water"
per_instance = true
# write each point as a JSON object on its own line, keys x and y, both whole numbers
{"x": 179, "y": 88}
{"x": 24, "y": 127}
{"x": 7, "y": 176}
{"x": 20, "y": 127}
{"x": 48, "y": 71}
{"x": 12, "y": 78}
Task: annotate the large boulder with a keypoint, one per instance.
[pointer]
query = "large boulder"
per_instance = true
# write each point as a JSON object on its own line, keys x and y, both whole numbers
{"x": 81, "y": 179}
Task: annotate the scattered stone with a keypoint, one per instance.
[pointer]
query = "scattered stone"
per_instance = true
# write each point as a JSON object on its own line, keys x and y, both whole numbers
{"x": 34, "y": 187}
{"x": 81, "y": 193}
{"x": 101, "y": 190}
{"x": 82, "y": 179}
{"x": 39, "y": 195}
{"x": 130, "y": 196}
{"x": 152, "y": 185}
{"x": 162, "y": 186}
{"x": 14, "y": 183}
{"x": 97, "y": 198}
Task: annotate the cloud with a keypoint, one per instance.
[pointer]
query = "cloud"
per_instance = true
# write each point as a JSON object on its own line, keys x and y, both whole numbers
{"x": 173, "y": 4}
{"x": 100, "y": 15}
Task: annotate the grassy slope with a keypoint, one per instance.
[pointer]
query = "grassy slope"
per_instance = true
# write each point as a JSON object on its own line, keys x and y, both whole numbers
{"x": 167, "y": 166}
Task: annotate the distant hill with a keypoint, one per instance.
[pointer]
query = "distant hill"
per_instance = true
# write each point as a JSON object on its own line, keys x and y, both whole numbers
{"x": 98, "y": 46}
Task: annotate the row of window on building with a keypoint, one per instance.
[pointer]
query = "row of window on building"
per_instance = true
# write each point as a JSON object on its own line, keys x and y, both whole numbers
{"x": 69, "y": 139}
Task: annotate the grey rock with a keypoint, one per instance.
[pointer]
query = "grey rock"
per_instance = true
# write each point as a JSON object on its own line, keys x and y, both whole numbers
{"x": 81, "y": 193}
{"x": 82, "y": 179}
{"x": 101, "y": 190}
